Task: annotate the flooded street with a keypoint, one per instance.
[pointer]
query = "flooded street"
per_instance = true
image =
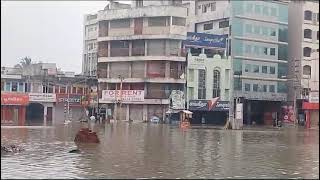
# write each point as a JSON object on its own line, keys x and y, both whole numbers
{"x": 139, "y": 150}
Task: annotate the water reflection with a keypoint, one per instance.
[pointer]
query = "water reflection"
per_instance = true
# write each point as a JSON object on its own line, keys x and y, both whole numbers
{"x": 161, "y": 151}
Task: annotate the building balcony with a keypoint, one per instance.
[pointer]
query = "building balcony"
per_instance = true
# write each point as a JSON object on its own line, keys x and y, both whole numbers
{"x": 265, "y": 96}
{"x": 146, "y": 11}
{"x": 142, "y": 80}
{"x": 146, "y": 101}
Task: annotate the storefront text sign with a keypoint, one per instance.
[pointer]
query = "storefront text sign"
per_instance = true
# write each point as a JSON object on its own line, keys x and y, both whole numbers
{"x": 42, "y": 97}
{"x": 207, "y": 40}
{"x": 198, "y": 105}
{"x": 123, "y": 95}
{"x": 74, "y": 99}
{"x": 14, "y": 99}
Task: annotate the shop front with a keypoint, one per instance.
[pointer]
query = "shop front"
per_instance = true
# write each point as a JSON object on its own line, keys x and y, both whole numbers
{"x": 13, "y": 108}
{"x": 212, "y": 112}
{"x": 41, "y": 109}
{"x": 311, "y": 113}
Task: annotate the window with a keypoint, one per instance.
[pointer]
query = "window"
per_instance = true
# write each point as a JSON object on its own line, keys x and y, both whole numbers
{"x": 204, "y": 8}
{"x": 256, "y": 29}
{"x": 191, "y": 75}
{"x": 208, "y": 26}
{"x": 255, "y": 87}
{"x": 307, "y": 33}
{"x": 272, "y": 70}
{"x": 273, "y": 12}
{"x": 272, "y": 51}
{"x": 8, "y": 86}
{"x": 249, "y": 7}
{"x": 317, "y": 35}
{"x": 255, "y": 68}
{"x": 271, "y": 88}
{"x": 27, "y": 87}
{"x": 307, "y": 15}
{"x": 14, "y": 86}
{"x": 202, "y": 84}
{"x": 62, "y": 89}
{"x": 139, "y": 3}
{"x": 178, "y": 21}
{"x": 21, "y": 87}
{"x": 265, "y": 10}
{"x": 247, "y": 87}
{"x": 265, "y": 69}
{"x": 247, "y": 68}
{"x": 265, "y": 88}
{"x": 248, "y": 49}
{"x": 256, "y": 50}
{"x": 213, "y": 6}
{"x": 223, "y": 24}
{"x": 248, "y": 28}
{"x": 257, "y": 9}
{"x": 272, "y": 32}
{"x": 157, "y": 21}
{"x": 216, "y": 84}
{"x": 190, "y": 92}
{"x": 307, "y": 70}
{"x": 2, "y": 86}
{"x": 307, "y": 52}
{"x": 265, "y": 51}
{"x": 121, "y": 23}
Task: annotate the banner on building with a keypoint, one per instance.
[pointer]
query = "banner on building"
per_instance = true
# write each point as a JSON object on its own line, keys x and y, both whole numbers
{"x": 177, "y": 99}
{"x": 314, "y": 97}
{"x": 42, "y": 97}
{"x": 14, "y": 99}
{"x": 74, "y": 99}
{"x": 209, "y": 105}
{"x": 287, "y": 114}
{"x": 123, "y": 95}
{"x": 239, "y": 111}
{"x": 206, "y": 40}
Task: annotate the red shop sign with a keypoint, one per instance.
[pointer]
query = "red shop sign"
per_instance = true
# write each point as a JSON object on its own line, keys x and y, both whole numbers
{"x": 14, "y": 99}
{"x": 310, "y": 106}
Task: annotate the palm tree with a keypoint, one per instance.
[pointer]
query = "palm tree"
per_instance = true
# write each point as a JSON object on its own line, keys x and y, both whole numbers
{"x": 24, "y": 63}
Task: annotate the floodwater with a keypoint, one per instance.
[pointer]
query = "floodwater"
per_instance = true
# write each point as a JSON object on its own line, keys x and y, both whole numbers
{"x": 139, "y": 150}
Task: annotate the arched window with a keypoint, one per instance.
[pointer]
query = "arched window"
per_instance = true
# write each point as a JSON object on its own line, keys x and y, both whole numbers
{"x": 307, "y": 52}
{"x": 307, "y": 70}
{"x": 307, "y": 33}
{"x": 216, "y": 84}
{"x": 307, "y": 15}
{"x": 202, "y": 84}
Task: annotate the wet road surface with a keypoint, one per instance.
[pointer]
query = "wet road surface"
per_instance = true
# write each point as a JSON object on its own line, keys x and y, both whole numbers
{"x": 139, "y": 150}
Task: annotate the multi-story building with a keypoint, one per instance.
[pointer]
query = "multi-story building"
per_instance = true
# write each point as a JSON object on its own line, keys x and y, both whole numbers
{"x": 89, "y": 62}
{"x": 258, "y": 46}
{"x": 304, "y": 58}
{"x": 140, "y": 60}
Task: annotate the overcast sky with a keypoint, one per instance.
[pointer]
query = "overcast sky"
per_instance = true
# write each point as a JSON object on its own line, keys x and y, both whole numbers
{"x": 48, "y": 31}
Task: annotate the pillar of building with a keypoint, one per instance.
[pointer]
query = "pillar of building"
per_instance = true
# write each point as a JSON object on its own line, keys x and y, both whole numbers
{"x": 108, "y": 70}
{"x": 53, "y": 114}
{"x": 130, "y": 70}
{"x": 128, "y": 113}
{"x": 45, "y": 114}
{"x": 146, "y": 47}
{"x": 130, "y": 48}
{"x": 109, "y": 47}
{"x": 145, "y": 69}
{"x": 145, "y": 112}
{"x": 167, "y": 69}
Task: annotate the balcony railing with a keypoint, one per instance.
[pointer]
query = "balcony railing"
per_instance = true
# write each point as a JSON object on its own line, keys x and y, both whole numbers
{"x": 138, "y": 51}
{"x": 118, "y": 52}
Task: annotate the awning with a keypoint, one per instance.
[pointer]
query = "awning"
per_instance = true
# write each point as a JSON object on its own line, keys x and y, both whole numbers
{"x": 187, "y": 112}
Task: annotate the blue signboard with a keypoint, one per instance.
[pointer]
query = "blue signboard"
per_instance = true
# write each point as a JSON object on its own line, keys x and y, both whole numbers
{"x": 206, "y": 40}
